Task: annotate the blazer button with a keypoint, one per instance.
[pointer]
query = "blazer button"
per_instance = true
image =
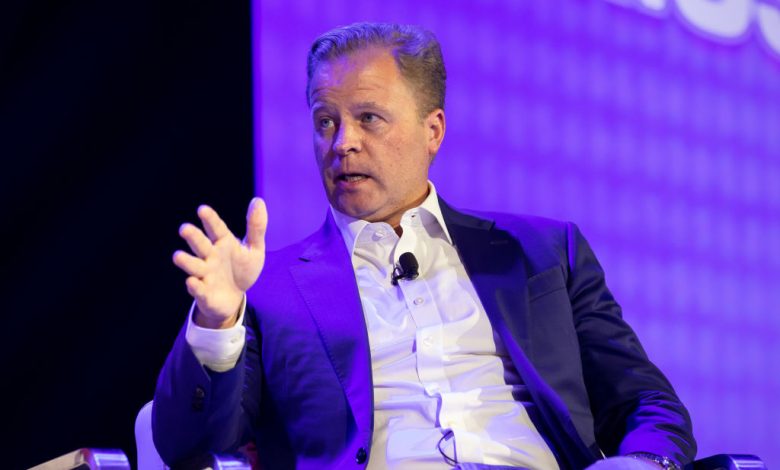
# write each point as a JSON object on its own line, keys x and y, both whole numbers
{"x": 361, "y": 455}
{"x": 197, "y": 399}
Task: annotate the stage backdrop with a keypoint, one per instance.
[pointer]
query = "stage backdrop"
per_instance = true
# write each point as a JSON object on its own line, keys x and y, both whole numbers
{"x": 653, "y": 125}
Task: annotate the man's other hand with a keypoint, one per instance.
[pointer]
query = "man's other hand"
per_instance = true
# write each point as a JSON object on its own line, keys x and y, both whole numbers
{"x": 223, "y": 268}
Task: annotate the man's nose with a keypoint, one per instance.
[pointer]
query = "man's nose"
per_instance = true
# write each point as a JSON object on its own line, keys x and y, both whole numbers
{"x": 347, "y": 139}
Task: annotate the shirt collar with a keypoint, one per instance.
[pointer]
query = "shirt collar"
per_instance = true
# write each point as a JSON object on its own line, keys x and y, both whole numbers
{"x": 350, "y": 227}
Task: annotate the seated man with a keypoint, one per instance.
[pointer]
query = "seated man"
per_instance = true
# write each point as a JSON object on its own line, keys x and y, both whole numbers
{"x": 493, "y": 342}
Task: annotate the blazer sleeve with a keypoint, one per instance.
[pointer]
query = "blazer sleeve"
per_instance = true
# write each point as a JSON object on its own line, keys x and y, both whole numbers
{"x": 634, "y": 406}
{"x": 198, "y": 411}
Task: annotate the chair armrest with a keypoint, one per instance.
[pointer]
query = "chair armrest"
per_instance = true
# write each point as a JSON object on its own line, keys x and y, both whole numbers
{"x": 728, "y": 462}
{"x": 92, "y": 459}
{"x": 216, "y": 462}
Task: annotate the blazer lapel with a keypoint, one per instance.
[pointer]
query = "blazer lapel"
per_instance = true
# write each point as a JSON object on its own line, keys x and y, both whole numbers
{"x": 495, "y": 263}
{"x": 327, "y": 283}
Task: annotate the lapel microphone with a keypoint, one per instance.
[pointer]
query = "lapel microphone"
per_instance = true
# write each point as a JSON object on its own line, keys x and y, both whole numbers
{"x": 407, "y": 268}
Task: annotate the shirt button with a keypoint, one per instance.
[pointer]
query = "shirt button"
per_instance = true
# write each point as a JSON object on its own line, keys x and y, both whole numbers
{"x": 419, "y": 301}
{"x": 427, "y": 341}
{"x": 361, "y": 455}
{"x": 379, "y": 234}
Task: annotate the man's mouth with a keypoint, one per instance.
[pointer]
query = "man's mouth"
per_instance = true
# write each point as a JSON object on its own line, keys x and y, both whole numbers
{"x": 351, "y": 177}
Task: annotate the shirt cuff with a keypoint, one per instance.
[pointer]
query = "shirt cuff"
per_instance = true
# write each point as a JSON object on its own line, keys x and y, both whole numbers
{"x": 217, "y": 349}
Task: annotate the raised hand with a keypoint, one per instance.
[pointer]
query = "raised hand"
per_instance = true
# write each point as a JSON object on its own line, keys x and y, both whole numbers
{"x": 223, "y": 267}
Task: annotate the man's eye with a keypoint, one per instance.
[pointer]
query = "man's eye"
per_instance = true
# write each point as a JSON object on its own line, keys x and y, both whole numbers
{"x": 325, "y": 123}
{"x": 368, "y": 118}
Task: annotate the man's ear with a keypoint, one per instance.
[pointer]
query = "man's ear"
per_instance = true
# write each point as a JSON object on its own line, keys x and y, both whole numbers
{"x": 435, "y": 124}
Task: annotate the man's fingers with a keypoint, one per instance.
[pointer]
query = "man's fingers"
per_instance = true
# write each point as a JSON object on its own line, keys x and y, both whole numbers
{"x": 256, "y": 223}
{"x": 215, "y": 227}
{"x": 190, "y": 264}
{"x": 195, "y": 287}
{"x": 196, "y": 239}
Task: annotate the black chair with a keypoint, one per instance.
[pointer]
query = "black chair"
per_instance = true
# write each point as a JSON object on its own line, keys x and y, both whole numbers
{"x": 727, "y": 462}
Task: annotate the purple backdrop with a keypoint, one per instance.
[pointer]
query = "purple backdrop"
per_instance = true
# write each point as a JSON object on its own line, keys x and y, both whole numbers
{"x": 654, "y": 125}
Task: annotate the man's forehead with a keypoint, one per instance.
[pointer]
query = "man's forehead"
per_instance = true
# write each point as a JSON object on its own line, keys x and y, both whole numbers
{"x": 363, "y": 70}
{"x": 362, "y": 54}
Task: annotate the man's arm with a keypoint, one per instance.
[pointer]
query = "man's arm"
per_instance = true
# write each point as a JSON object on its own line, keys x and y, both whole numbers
{"x": 198, "y": 410}
{"x": 634, "y": 406}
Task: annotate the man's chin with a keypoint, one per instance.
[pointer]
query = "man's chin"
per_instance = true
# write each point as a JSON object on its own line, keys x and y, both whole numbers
{"x": 355, "y": 212}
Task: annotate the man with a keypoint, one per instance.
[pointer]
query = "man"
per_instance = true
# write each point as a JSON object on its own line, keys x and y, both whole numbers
{"x": 502, "y": 348}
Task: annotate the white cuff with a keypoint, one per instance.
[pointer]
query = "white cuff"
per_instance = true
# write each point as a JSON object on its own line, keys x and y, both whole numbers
{"x": 217, "y": 349}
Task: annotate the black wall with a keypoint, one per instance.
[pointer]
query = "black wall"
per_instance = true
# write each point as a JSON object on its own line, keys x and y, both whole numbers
{"x": 116, "y": 120}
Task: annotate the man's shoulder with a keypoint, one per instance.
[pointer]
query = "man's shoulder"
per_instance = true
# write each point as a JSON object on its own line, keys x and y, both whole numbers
{"x": 323, "y": 242}
{"x": 292, "y": 252}
{"x": 276, "y": 274}
{"x": 544, "y": 241}
{"x": 523, "y": 226}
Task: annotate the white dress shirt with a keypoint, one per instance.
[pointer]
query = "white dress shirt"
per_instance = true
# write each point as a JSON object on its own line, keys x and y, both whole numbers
{"x": 443, "y": 384}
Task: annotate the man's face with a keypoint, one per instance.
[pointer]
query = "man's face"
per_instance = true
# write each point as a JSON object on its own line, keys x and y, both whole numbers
{"x": 372, "y": 146}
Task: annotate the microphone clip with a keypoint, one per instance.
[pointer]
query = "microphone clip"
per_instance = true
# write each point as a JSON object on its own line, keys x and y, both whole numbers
{"x": 407, "y": 268}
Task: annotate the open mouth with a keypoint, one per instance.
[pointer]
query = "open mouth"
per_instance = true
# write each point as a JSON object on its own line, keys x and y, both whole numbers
{"x": 351, "y": 177}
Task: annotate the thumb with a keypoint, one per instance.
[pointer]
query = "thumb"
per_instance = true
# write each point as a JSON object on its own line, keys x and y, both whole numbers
{"x": 256, "y": 222}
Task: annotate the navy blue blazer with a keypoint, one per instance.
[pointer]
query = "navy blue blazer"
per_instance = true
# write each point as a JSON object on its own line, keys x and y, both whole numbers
{"x": 302, "y": 389}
